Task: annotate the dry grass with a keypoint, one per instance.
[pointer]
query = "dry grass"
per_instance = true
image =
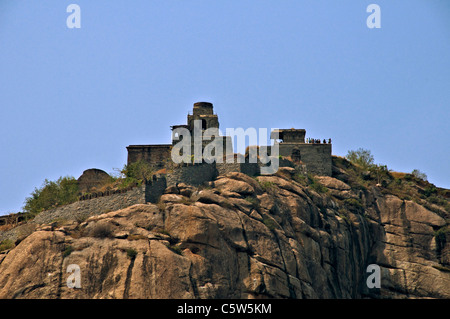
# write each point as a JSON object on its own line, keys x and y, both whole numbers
{"x": 398, "y": 174}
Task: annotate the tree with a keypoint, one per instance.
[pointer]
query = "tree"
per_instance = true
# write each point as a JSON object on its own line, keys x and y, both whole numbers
{"x": 140, "y": 171}
{"x": 418, "y": 174}
{"x": 361, "y": 157}
{"x": 52, "y": 194}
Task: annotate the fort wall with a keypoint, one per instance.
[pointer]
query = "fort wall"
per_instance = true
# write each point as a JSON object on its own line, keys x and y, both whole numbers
{"x": 94, "y": 206}
{"x": 316, "y": 157}
{"x": 251, "y": 169}
{"x": 154, "y": 154}
{"x": 192, "y": 174}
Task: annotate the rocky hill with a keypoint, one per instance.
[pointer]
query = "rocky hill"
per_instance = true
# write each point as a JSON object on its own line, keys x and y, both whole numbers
{"x": 280, "y": 236}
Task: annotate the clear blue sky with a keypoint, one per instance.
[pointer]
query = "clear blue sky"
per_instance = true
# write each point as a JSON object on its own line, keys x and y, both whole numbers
{"x": 73, "y": 99}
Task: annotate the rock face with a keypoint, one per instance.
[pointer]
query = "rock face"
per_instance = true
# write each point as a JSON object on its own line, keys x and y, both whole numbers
{"x": 243, "y": 237}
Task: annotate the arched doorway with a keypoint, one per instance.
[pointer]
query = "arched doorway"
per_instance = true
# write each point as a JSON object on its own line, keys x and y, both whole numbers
{"x": 295, "y": 155}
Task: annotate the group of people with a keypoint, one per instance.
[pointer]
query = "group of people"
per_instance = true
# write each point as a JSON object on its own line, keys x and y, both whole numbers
{"x": 317, "y": 141}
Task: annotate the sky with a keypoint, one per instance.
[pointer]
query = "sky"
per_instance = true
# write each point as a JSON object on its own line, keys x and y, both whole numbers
{"x": 73, "y": 98}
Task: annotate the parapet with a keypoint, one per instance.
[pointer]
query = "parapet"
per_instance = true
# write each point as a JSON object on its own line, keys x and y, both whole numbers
{"x": 203, "y": 108}
{"x": 289, "y": 135}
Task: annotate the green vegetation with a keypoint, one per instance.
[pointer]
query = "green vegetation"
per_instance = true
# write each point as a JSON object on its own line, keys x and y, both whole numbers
{"x": 343, "y": 213}
{"x": 52, "y": 194}
{"x": 360, "y": 172}
{"x": 441, "y": 236}
{"x": 270, "y": 223}
{"x": 254, "y": 201}
{"x": 266, "y": 186}
{"x": 135, "y": 174}
{"x": 131, "y": 253}
{"x": 419, "y": 175}
{"x": 301, "y": 178}
{"x": 67, "y": 251}
{"x": 361, "y": 157}
{"x": 65, "y": 190}
{"x": 6, "y": 244}
{"x": 317, "y": 186}
{"x": 309, "y": 181}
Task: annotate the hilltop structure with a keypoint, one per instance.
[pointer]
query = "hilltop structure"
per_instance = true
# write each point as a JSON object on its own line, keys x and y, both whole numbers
{"x": 314, "y": 156}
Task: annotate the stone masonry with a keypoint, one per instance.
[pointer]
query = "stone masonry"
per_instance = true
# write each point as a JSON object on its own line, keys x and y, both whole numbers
{"x": 316, "y": 157}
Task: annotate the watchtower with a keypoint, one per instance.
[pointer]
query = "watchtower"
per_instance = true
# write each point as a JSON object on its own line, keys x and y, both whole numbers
{"x": 203, "y": 111}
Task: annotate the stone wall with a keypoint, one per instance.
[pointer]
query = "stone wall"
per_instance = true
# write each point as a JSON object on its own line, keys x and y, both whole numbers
{"x": 155, "y": 189}
{"x": 316, "y": 157}
{"x": 192, "y": 174}
{"x": 251, "y": 169}
{"x": 94, "y": 206}
{"x": 154, "y": 154}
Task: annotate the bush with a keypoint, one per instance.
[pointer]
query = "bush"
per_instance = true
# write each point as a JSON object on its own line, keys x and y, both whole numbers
{"x": 266, "y": 186}
{"x": 270, "y": 223}
{"x": 254, "y": 201}
{"x": 430, "y": 190}
{"x": 319, "y": 188}
{"x": 354, "y": 204}
{"x": 52, "y": 194}
{"x": 139, "y": 171}
{"x": 6, "y": 244}
{"x": 100, "y": 230}
{"x": 441, "y": 238}
{"x": 301, "y": 179}
{"x": 67, "y": 251}
{"x": 131, "y": 253}
{"x": 419, "y": 175}
{"x": 361, "y": 157}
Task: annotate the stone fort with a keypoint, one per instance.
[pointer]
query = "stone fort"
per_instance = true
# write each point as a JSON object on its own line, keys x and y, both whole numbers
{"x": 306, "y": 155}
{"x": 314, "y": 156}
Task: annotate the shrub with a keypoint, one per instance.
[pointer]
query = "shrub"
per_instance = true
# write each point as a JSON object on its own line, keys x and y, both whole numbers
{"x": 429, "y": 191}
{"x": 344, "y": 215}
{"x": 319, "y": 187}
{"x": 301, "y": 179}
{"x": 100, "y": 230}
{"x": 270, "y": 223}
{"x": 361, "y": 157}
{"x": 52, "y": 194}
{"x": 138, "y": 171}
{"x": 254, "y": 201}
{"x": 353, "y": 204}
{"x": 67, "y": 251}
{"x": 441, "y": 234}
{"x": 418, "y": 174}
{"x": 266, "y": 186}
{"x": 131, "y": 253}
{"x": 441, "y": 238}
{"x": 315, "y": 185}
{"x": 6, "y": 244}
